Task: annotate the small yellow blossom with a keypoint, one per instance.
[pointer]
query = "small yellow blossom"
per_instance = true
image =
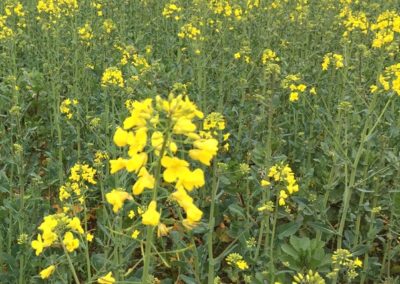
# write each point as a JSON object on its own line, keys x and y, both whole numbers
{"x": 47, "y": 272}
{"x": 107, "y": 279}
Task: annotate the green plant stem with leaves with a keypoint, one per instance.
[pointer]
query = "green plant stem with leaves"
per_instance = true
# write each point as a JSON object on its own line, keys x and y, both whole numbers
{"x": 150, "y": 229}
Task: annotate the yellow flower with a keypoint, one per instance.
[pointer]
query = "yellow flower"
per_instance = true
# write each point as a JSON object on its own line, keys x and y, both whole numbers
{"x": 282, "y": 197}
{"x": 326, "y": 62}
{"x": 135, "y": 234}
{"x": 206, "y": 150}
{"x": 193, "y": 214}
{"x": 358, "y": 262}
{"x": 163, "y": 230}
{"x": 38, "y": 245}
{"x": 112, "y": 76}
{"x": 151, "y": 216}
{"x": 120, "y": 137}
{"x": 70, "y": 242}
{"x": 313, "y": 91}
{"x": 117, "y": 198}
{"x": 183, "y": 126}
{"x": 294, "y": 96}
{"x": 145, "y": 180}
{"x": 107, "y": 279}
{"x": 136, "y": 162}
{"x": 175, "y": 167}
{"x": 191, "y": 179}
{"x": 131, "y": 214}
{"x": 49, "y": 238}
{"x": 89, "y": 237}
{"x": 117, "y": 165}
{"x": 242, "y": 265}
{"x": 75, "y": 224}
{"x": 265, "y": 182}
{"x": 47, "y": 272}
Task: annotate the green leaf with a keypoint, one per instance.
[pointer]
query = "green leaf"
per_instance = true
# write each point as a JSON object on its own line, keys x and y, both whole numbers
{"x": 287, "y": 230}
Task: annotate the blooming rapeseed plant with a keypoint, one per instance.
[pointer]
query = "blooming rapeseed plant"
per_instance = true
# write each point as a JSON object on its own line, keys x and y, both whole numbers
{"x": 112, "y": 76}
{"x": 169, "y": 124}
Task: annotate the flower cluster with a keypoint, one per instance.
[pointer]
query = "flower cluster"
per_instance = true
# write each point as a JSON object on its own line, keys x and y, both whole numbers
{"x": 355, "y": 22}
{"x": 390, "y": 79}
{"x": 52, "y": 10}
{"x": 80, "y": 175}
{"x": 269, "y": 56}
{"x": 11, "y": 11}
{"x": 85, "y": 34}
{"x": 65, "y": 107}
{"x": 282, "y": 173}
{"x": 159, "y": 126}
{"x": 342, "y": 261}
{"x": 109, "y": 26}
{"x": 308, "y": 278}
{"x": 172, "y": 10}
{"x": 58, "y": 229}
{"x": 385, "y": 28}
{"x": 336, "y": 59}
{"x": 292, "y": 83}
{"x": 129, "y": 55}
{"x": 236, "y": 260}
{"x": 244, "y": 53}
{"x": 190, "y": 31}
{"x": 271, "y": 62}
{"x": 112, "y": 76}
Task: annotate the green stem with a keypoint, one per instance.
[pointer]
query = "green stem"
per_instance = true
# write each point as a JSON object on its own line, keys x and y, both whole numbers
{"x": 71, "y": 266}
{"x": 271, "y": 248}
{"x": 87, "y": 257}
{"x": 150, "y": 229}
{"x": 211, "y": 224}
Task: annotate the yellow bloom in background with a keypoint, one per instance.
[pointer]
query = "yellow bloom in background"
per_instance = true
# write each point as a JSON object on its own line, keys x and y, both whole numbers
{"x": 205, "y": 150}
{"x": 75, "y": 224}
{"x": 47, "y": 272}
{"x": 151, "y": 217}
{"x": 325, "y": 63}
{"x": 294, "y": 96}
{"x": 313, "y": 91}
{"x": 145, "y": 180}
{"x": 131, "y": 214}
{"x": 358, "y": 262}
{"x": 117, "y": 198}
{"x": 70, "y": 242}
{"x": 89, "y": 237}
{"x": 112, "y": 76}
{"x": 242, "y": 265}
{"x": 38, "y": 245}
{"x": 265, "y": 182}
{"x": 107, "y": 279}
{"x": 135, "y": 234}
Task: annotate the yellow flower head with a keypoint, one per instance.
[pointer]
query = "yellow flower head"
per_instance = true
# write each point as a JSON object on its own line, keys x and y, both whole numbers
{"x": 117, "y": 198}
{"x": 151, "y": 217}
{"x": 70, "y": 242}
{"x": 47, "y": 272}
{"x": 106, "y": 279}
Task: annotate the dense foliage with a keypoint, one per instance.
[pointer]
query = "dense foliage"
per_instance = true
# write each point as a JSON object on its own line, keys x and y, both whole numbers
{"x": 203, "y": 141}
